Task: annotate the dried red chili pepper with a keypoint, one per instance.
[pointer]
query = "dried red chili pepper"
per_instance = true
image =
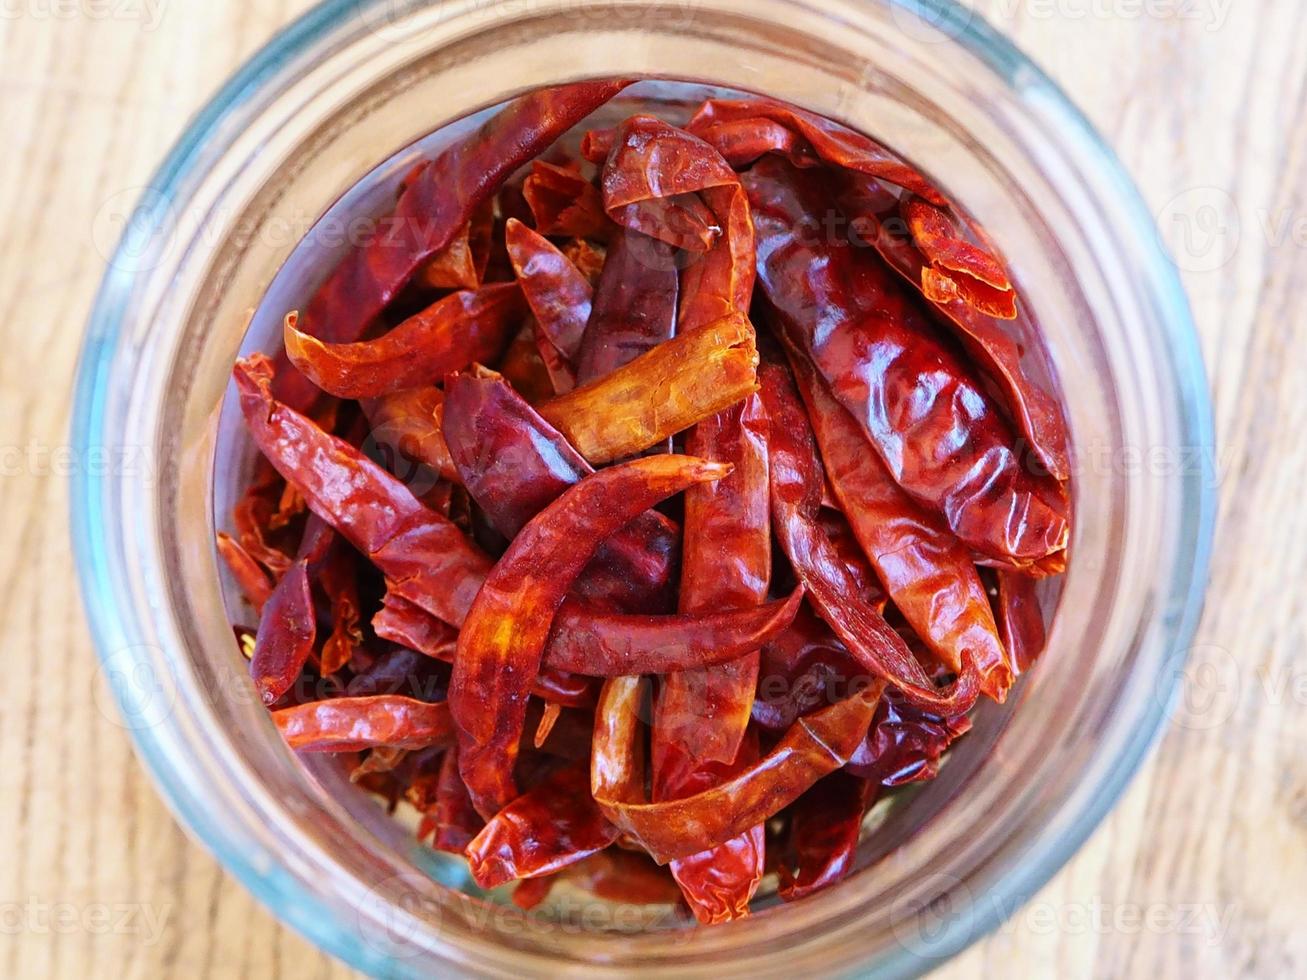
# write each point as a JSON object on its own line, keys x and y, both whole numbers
{"x": 434, "y": 205}
{"x": 653, "y": 165}
{"x": 543, "y": 831}
{"x": 559, "y": 296}
{"x": 404, "y": 672}
{"x": 588, "y": 259}
{"x": 1020, "y": 618}
{"x": 825, "y": 824}
{"x": 350, "y": 724}
{"x": 958, "y": 269}
{"x": 287, "y": 632}
{"x": 930, "y": 422}
{"x": 796, "y": 487}
{"x": 456, "y": 819}
{"x": 873, "y": 210}
{"x": 701, "y": 715}
{"x": 925, "y": 569}
{"x": 634, "y": 305}
{"x": 676, "y": 384}
{"x": 504, "y": 635}
{"x": 905, "y": 743}
{"x": 338, "y": 577}
{"x": 254, "y": 582}
{"x": 818, "y": 744}
{"x": 564, "y": 203}
{"x": 801, "y": 670}
{"x": 452, "y": 333}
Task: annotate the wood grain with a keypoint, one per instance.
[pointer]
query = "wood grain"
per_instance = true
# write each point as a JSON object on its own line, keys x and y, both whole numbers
{"x": 1202, "y": 869}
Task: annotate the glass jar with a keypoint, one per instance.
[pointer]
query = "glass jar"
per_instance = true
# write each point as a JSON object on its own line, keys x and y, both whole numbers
{"x": 350, "y": 94}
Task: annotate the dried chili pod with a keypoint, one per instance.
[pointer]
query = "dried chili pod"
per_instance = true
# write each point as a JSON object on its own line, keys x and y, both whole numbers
{"x": 744, "y": 129}
{"x": 524, "y": 368}
{"x": 958, "y": 269}
{"x": 407, "y": 424}
{"x": 683, "y": 381}
{"x": 654, "y": 163}
{"x": 588, "y": 259}
{"x": 1020, "y": 618}
{"x": 559, "y": 296}
{"x": 700, "y": 716}
{"x": 287, "y": 632}
{"x": 931, "y": 423}
{"x": 796, "y": 487}
{"x": 254, "y": 582}
{"x": 905, "y": 743}
{"x": 424, "y": 556}
{"x": 872, "y": 211}
{"x": 514, "y": 463}
{"x": 404, "y": 672}
{"x": 434, "y": 205}
{"x": 816, "y": 745}
{"x": 351, "y": 724}
{"x": 927, "y": 572}
{"x": 461, "y": 329}
{"x": 608, "y": 644}
{"x": 825, "y": 824}
{"x": 719, "y": 881}
{"x": 564, "y": 203}
{"x": 456, "y": 819}
{"x": 553, "y": 825}
{"x": 634, "y": 305}
{"x": 504, "y": 635}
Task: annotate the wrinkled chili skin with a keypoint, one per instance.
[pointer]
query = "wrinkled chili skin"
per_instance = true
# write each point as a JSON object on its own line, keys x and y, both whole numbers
{"x": 254, "y": 582}
{"x": 514, "y": 464}
{"x": 825, "y": 824}
{"x": 553, "y": 825}
{"x": 559, "y": 296}
{"x": 408, "y": 424}
{"x": 634, "y": 306}
{"x": 662, "y": 392}
{"x": 403, "y": 672}
{"x": 871, "y": 210}
{"x": 434, "y": 205}
{"x": 505, "y": 632}
{"x": 927, "y": 572}
{"x": 927, "y": 418}
{"x": 1020, "y": 617}
{"x": 726, "y": 563}
{"x": 456, "y": 819}
{"x": 287, "y": 631}
{"x": 904, "y": 743}
{"x": 804, "y": 668}
{"x": 350, "y": 724}
{"x": 463, "y": 328}
{"x": 959, "y": 269}
{"x": 796, "y": 489}
{"x": 654, "y": 168}
{"x": 563, "y": 203}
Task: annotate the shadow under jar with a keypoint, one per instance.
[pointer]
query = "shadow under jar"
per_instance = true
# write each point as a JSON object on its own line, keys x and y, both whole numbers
{"x": 321, "y": 126}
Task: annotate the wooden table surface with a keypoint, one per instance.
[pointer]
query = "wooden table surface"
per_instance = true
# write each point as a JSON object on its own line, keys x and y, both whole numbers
{"x": 1201, "y": 871}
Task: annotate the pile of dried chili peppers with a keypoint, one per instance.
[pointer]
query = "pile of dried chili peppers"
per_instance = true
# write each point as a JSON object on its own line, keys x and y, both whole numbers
{"x": 640, "y": 514}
